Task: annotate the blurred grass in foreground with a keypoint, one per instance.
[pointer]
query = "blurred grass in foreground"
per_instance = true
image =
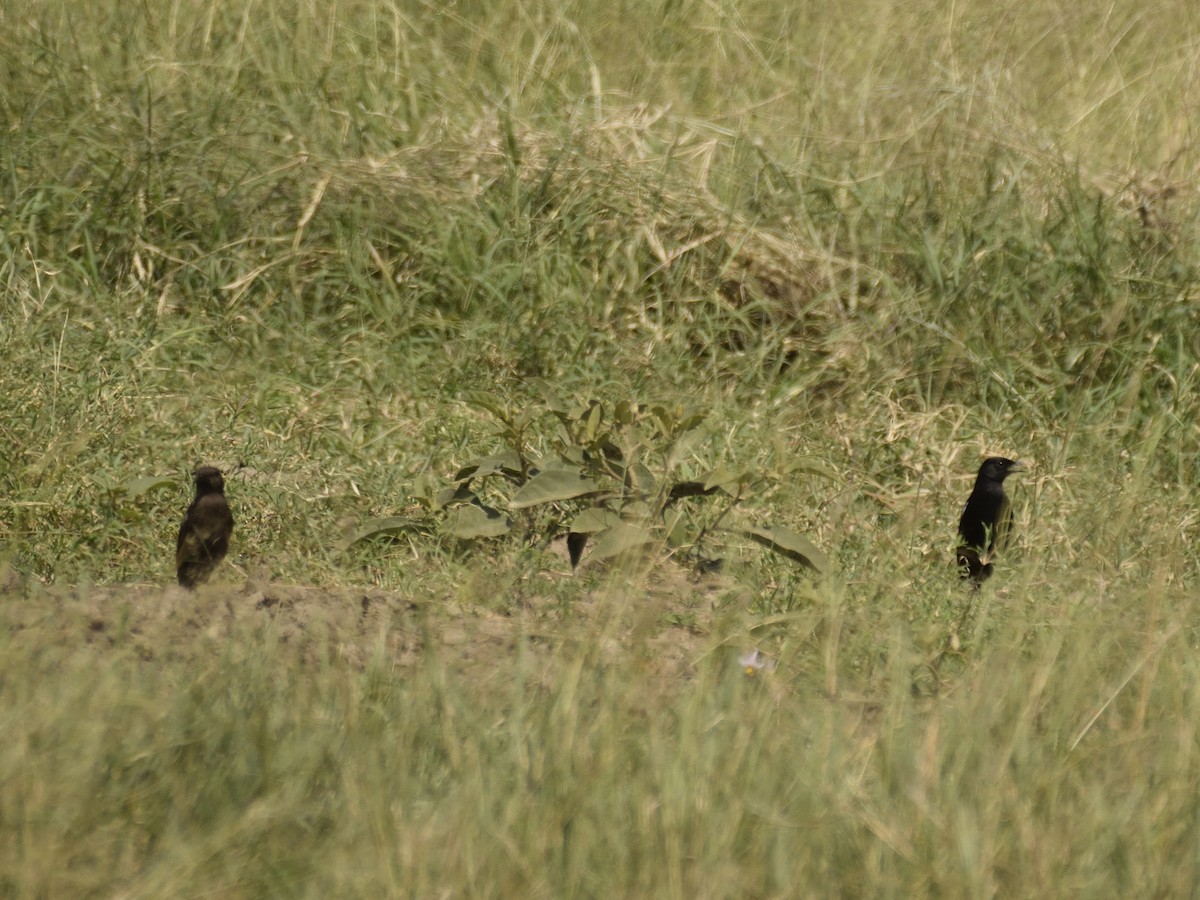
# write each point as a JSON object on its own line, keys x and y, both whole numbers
{"x": 883, "y": 238}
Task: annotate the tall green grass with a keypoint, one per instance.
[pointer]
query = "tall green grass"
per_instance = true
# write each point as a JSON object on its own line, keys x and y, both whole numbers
{"x": 563, "y": 761}
{"x": 883, "y": 238}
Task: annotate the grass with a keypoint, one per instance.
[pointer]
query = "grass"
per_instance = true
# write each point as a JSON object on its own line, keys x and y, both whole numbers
{"x": 870, "y": 242}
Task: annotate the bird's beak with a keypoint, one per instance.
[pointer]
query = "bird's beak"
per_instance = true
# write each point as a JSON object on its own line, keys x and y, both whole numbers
{"x": 1018, "y": 466}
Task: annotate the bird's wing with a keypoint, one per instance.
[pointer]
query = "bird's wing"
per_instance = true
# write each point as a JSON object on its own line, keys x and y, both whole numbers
{"x": 187, "y": 546}
{"x": 184, "y": 527}
{"x": 1004, "y": 525}
{"x": 193, "y": 542}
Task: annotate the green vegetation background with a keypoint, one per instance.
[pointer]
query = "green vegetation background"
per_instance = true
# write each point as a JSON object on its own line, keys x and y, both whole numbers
{"x": 882, "y": 239}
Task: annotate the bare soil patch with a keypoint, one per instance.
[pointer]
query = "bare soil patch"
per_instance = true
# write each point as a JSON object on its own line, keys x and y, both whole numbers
{"x": 662, "y": 622}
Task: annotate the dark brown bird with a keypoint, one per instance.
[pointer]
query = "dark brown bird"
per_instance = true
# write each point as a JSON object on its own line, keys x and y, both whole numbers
{"x": 204, "y": 535}
{"x": 986, "y": 522}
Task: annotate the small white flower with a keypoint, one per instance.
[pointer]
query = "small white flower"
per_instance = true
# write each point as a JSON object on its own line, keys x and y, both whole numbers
{"x": 754, "y": 662}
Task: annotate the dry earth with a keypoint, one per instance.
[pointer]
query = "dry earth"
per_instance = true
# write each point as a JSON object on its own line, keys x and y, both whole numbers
{"x": 660, "y": 620}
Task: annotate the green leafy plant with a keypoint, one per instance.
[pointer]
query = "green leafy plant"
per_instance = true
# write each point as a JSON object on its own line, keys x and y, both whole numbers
{"x": 615, "y": 479}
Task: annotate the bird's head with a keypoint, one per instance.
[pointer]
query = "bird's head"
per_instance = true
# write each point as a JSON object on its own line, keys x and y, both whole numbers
{"x": 209, "y": 480}
{"x": 997, "y": 468}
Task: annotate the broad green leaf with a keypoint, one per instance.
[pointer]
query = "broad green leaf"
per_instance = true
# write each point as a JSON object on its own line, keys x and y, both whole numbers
{"x": 592, "y": 520}
{"x": 505, "y": 463}
{"x": 675, "y": 525}
{"x": 725, "y": 478}
{"x": 137, "y": 487}
{"x": 665, "y": 419}
{"x": 611, "y": 451}
{"x": 592, "y": 421}
{"x": 675, "y": 419}
{"x": 551, "y": 486}
{"x": 620, "y": 537}
{"x": 788, "y": 543}
{"x": 455, "y": 493}
{"x": 587, "y": 523}
{"x": 810, "y": 466}
{"x": 640, "y": 478}
{"x": 634, "y": 441}
{"x": 377, "y": 528}
{"x": 527, "y": 415}
{"x": 427, "y": 485}
{"x": 550, "y": 397}
{"x": 469, "y": 522}
{"x": 637, "y": 509}
{"x": 692, "y": 420}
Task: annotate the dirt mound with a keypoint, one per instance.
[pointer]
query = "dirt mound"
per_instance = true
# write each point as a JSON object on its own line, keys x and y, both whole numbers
{"x": 662, "y": 628}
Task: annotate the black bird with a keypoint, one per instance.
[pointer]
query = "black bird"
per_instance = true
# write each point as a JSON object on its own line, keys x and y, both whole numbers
{"x": 986, "y": 522}
{"x": 204, "y": 535}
